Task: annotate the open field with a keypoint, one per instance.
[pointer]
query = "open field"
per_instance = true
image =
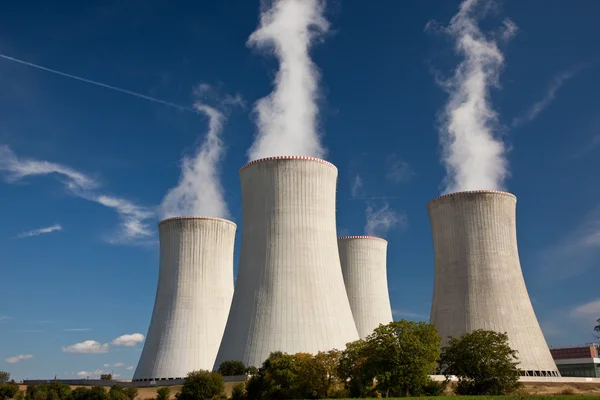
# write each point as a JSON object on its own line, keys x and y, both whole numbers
{"x": 529, "y": 390}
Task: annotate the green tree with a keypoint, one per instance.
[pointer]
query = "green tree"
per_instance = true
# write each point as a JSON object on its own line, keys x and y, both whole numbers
{"x": 252, "y": 370}
{"x": 50, "y": 391}
{"x": 81, "y": 393}
{"x": 4, "y": 377}
{"x": 116, "y": 393}
{"x": 402, "y": 355}
{"x": 596, "y": 329}
{"x": 352, "y": 369}
{"x": 200, "y": 385}
{"x": 8, "y": 390}
{"x": 328, "y": 362}
{"x": 98, "y": 393}
{"x": 232, "y": 368}
{"x": 131, "y": 392}
{"x": 106, "y": 377}
{"x": 238, "y": 392}
{"x": 163, "y": 393}
{"x": 483, "y": 362}
{"x": 275, "y": 378}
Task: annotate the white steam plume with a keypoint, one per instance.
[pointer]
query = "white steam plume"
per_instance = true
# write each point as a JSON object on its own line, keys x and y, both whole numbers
{"x": 287, "y": 118}
{"x": 199, "y": 191}
{"x": 473, "y": 155}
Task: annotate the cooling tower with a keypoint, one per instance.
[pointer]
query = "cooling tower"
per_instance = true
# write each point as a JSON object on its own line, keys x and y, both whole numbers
{"x": 289, "y": 294}
{"x": 195, "y": 287}
{"x": 478, "y": 281}
{"x": 363, "y": 260}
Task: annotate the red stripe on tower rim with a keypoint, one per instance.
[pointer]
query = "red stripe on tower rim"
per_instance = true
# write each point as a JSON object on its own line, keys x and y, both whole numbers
{"x": 261, "y": 160}
{"x": 361, "y": 237}
{"x": 467, "y": 192}
{"x": 172, "y": 219}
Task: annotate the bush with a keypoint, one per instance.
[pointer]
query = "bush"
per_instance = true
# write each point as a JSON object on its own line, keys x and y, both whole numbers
{"x": 430, "y": 388}
{"x": 232, "y": 368}
{"x": 252, "y": 370}
{"x": 106, "y": 377}
{"x": 8, "y": 390}
{"x": 98, "y": 393}
{"x": 4, "y": 377}
{"x": 49, "y": 391}
{"x": 131, "y": 392}
{"x": 163, "y": 393}
{"x": 81, "y": 393}
{"x": 199, "y": 385}
{"x": 116, "y": 393}
{"x": 238, "y": 392}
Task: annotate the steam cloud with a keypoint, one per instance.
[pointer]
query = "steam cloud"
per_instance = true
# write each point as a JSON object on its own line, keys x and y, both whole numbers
{"x": 381, "y": 220}
{"x": 199, "y": 191}
{"x": 473, "y": 155}
{"x": 287, "y": 118}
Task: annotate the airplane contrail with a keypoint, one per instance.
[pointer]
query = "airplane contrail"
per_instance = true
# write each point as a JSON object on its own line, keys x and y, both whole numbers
{"x": 129, "y": 92}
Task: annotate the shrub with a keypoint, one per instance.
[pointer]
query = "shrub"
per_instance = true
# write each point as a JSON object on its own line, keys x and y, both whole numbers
{"x": 199, "y": 385}
{"x": 106, "y": 377}
{"x": 252, "y": 370}
{"x": 116, "y": 393}
{"x": 81, "y": 393}
{"x": 238, "y": 392}
{"x": 231, "y": 368}
{"x": 131, "y": 392}
{"x": 98, "y": 393}
{"x": 4, "y": 377}
{"x": 8, "y": 390}
{"x": 49, "y": 391}
{"x": 163, "y": 393}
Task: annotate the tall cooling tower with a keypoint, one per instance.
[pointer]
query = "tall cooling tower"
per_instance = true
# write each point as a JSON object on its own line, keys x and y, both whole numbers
{"x": 195, "y": 287}
{"x": 289, "y": 294}
{"x": 478, "y": 280}
{"x": 363, "y": 261}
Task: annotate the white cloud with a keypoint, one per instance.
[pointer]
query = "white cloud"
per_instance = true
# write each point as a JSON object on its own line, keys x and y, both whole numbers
{"x": 357, "y": 186}
{"x": 106, "y": 365}
{"x": 550, "y": 95}
{"x": 16, "y": 359}
{"x": 134, "y": 218}
{"x": 399, "y": 170}
{"x": 129, "y": 368}
{"x": 88, "y": 346}
{"x": 40, "y": 231}
{"x": 381, "y": 220}
{"x": 128, "y": 340}
{"x": 287, "y": 118}
{"x": 590, "y": 309}
{"x": 92, "y": 374}
{"x": 472, "y": 153}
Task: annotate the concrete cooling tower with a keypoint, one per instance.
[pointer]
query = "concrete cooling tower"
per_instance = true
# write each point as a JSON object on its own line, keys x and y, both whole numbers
{"x": 363, "y": 260}
{"x": 195, "y": 287}
{"x": 289, "y": 294}
{"x": 478, "y": 281}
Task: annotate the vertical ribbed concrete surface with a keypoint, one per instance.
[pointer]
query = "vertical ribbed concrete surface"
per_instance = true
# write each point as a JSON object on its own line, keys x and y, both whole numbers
{"x": 289, "y": 293}
{"x": 478, "y": 280}
{"x": 363, "y": 260}
{"x": 195, "y": 288}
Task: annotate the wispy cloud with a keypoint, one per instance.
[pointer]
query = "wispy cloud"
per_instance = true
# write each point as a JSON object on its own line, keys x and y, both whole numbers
{"x": 16, "y": 359}
{"x": 4, "y": 318}
{"x": 130, "y": 368}
{"x": 588, "y": 310}
{"x": 472, "y": 153}
{"x": 92, "y": 374}
{"x": 409, "y": 314}
{"x": 134, "y": 218}
{"x": 589, "y": 147}
{"x": 40, "y": 231}
{"x": 399, "y": 171}
{"x": 357, "y": 185}
{"x": 117, "y": 365}
{"x": 77, "y": 329}
{"x": 129, "y": 340}
{"x": 199, "y": 191}
{"x": 86, "y": 347}
{"x": 550, "y": 95}
{"x": 30, "y": 330}
{"x": 381, "y": 220}
{"x": 287, "y": 118}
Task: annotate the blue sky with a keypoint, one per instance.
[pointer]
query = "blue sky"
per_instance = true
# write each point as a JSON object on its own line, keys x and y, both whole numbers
{"x": 86, "y": 168}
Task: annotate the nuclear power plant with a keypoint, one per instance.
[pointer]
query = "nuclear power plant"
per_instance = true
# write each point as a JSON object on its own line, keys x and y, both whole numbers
{"x": 363, "y": 260}
{"x": 195, "y": 287}
{"x": 290, "y": 294}
{"x": 478, "y": 282}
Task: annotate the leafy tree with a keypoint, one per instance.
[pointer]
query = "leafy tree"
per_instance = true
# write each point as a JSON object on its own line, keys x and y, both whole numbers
{"x": 199, "y": 385}
{"x": 131, "y": 392}
{"x": 116, "y": 393}
{"x": 483, "y": 362}
{"x": 231, "y": 368}
{"x": 328, "y": 362}
{"x": 163, "y": 393}
{"x": 252, "y": 370}
{"x": 50, "y": 391}
{"x": 352, "y": 369}
{"x": 106, "y": 377}
{"x": 596, "y": 329}
{"x": 4, "y": 376}
{"x": 238, "y": 392}
{"x": 402, "y": 355}
{"x": 81, "y": 393}
{"x": 8, "y": 390}
{"x": 98, "y": 393}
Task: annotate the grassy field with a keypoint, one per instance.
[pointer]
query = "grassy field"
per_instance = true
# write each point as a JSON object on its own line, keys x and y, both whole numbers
{"x": 532, "y": 391}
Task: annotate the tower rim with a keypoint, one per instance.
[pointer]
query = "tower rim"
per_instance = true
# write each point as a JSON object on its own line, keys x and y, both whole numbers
{"x": 280, "y": 158}
{"x": 173, "y": 219}
{"x": 468, "y": 192}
